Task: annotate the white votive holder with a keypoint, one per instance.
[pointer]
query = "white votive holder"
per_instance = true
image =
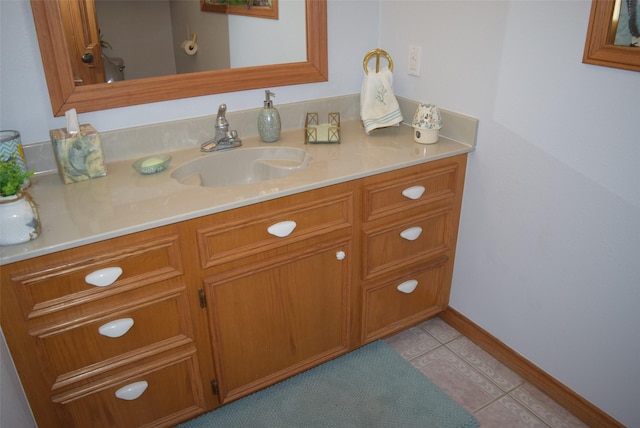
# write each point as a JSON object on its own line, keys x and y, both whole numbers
{"x": 426, "y": 123}
{"x": 426, "y": 136}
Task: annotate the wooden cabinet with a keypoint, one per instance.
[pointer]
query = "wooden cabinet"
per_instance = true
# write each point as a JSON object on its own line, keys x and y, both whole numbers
{"x": 278, "y": 300}
{"x": 409, "y": 230}
{"x": 205, "y": 311}
{"x": 75, "y": 344}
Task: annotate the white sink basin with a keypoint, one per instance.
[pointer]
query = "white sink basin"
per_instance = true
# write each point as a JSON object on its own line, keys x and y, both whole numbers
{"x": 242, "y": 166}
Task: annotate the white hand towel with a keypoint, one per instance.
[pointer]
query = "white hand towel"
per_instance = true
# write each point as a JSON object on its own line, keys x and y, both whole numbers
{"x": 378, "y": 105}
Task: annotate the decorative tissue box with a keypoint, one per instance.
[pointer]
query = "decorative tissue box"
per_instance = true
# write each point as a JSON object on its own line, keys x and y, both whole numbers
{"x": 79, "y": 156}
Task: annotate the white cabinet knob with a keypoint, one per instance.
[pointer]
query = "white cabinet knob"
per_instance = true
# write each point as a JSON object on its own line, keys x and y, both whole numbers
{"x": 282, "y": 229}
{"x": 340, "y": 255}
{"x": 407, "y": 287}
{"x": 132, "y": 391}
{"x": 413, "y": 192}
{"x": 116, "y": 328}
{"x": 103, "y": 277}
{"x": 412, "y": 233}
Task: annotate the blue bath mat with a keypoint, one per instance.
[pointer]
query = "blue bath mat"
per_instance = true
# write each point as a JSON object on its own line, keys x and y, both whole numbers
{"x": 370, "y": 387}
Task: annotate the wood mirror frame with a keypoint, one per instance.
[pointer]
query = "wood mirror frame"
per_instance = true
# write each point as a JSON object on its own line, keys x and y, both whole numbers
{"x": 64, "y": 94}
{"x": 599, "y": 48}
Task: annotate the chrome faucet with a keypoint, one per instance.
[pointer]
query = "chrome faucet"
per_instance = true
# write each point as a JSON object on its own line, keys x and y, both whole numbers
{"x": 223, "y": 138}
{"x": 222, "y": 125}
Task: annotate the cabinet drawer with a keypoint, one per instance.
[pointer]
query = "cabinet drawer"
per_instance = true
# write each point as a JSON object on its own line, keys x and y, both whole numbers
{"x": 172, "y": 394}
{"x": 402, "y": 244}
{"x": 88, "y": 347}
{"x": 250, "y": 231}
{"x": 387, "y": 309}
{"x": 63, "y": 284}
{"x": 414, "y": 187}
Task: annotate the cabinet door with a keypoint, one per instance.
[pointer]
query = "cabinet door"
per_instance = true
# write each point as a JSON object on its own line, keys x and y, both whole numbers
{"x": 279, "y": 317}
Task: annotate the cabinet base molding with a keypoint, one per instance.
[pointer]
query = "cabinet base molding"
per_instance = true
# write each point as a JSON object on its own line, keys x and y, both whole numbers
{"x": 570, "y": 400}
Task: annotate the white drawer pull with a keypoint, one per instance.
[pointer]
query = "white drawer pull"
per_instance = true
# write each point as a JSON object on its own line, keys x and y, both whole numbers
{"x": 116, "y": 328}
{"x": 407, "y": 287}
{"x": 282, "y": 229}
{"x": 412, "y": 233}
{"x": 340, "y": 255}
{"x": 132, "y": 391}
{"x": 103, "y": 277}
{"x": 413, "y": 192}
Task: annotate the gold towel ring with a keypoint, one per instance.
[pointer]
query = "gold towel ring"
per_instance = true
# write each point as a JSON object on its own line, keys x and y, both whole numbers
{"x": 376, "y": 53}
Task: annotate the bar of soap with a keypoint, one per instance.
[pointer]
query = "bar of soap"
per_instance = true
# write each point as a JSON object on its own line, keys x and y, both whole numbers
{"x": 152, "y": 162}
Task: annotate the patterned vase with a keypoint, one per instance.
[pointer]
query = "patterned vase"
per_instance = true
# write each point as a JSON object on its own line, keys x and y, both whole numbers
{"x": 19, "y": 221}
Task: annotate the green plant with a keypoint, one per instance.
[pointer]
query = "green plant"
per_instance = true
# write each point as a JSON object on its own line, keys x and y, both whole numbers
{"x": 12, "y": 177}
{"x": 103, "y": 43}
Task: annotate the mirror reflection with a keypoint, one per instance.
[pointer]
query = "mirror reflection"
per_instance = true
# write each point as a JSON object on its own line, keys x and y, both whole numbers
{"x": 140, "y": 39}
{"x": 68, "y": 80}
{"x": 626, "y": 20}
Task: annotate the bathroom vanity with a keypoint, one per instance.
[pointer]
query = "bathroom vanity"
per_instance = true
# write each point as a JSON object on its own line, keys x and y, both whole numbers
{"x": 205, "y": 295}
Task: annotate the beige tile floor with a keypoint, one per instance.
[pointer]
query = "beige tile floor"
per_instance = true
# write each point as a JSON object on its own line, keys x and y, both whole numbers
{"x": 494, "y": 394}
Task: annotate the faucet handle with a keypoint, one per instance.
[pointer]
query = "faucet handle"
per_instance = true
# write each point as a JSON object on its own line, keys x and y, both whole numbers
{"x": 208, "y": 146}
{"x": 221, "y": 120}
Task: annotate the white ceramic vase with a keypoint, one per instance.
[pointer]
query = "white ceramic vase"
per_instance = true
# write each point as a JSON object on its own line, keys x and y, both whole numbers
{"x": 19, "y": 220}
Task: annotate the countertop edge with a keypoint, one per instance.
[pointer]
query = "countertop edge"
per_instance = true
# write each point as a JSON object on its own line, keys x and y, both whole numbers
{"x": 25, "y": 251}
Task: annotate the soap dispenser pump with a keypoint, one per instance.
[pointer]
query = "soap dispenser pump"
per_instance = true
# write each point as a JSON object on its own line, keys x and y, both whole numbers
{"x": 269, "y": 120}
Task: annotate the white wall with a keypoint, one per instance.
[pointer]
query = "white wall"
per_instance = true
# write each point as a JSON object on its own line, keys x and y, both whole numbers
{"x": 14, "y": 410}
{"x": 145, "y": 45}
{"x": 258, "y": 41}
{"x": 550, "y": 229}
{"x": 549, "y": 239}
{"x": 148, "y": 35}
{"x": 212, "y": 31}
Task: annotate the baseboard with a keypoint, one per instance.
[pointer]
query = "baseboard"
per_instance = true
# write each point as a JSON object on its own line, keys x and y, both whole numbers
{"x": 574, "y": 403}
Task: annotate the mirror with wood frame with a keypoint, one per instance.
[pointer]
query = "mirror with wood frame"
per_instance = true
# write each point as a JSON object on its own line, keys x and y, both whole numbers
{"x": 600, "y": 47}
{"x": 65, "y": 94}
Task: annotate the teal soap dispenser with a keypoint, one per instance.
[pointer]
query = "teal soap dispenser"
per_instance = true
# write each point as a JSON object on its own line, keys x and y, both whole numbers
{"x": 269, "y": 120}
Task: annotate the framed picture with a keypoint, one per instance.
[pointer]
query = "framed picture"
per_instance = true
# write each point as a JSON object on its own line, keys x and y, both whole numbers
{"x": 256, "y": 8}
{"x": 612, "y": 37}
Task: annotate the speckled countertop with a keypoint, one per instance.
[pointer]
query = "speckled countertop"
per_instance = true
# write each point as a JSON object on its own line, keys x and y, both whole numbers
{"x": 125, "y": 201}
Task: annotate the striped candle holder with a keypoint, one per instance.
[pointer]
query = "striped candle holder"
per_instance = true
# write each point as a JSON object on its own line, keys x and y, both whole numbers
{"x": 10, "y": 145}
